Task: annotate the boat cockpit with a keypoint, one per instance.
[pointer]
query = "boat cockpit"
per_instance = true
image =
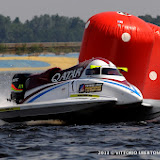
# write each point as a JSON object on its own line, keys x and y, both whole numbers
{"x": 102, "y": 71}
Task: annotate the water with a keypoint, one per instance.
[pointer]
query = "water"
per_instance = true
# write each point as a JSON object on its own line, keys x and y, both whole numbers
{"x": 84, "y": 142}
{"x": 51, "y": 140}
{"x": 22, "y": 63}
{"x": 74, "y": 55}
{"x": 71, "y": 55}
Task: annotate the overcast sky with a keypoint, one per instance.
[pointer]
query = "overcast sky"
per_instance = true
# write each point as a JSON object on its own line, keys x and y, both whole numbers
{"x": 27, "y": 9}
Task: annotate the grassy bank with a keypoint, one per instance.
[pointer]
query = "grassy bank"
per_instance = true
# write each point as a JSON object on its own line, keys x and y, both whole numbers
{"x": 29, "y": 48}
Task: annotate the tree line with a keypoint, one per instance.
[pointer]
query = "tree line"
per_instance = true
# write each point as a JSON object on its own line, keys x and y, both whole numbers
{"x": 150, "y": 19}
{"x": 46, "y": 28}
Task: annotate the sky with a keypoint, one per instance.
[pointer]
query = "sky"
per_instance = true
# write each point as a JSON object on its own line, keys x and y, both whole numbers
{"x": 27, "y": 9}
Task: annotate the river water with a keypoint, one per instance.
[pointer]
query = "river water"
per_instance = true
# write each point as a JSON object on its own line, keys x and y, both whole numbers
{"x": 51, "y": 140}
{"x": 86, "y": 142}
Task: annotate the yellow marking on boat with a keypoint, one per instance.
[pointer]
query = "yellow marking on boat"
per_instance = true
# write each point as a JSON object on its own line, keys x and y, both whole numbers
{"x": 123, "y": 69}
{"x": 94, "y": 66}
{"x": 83, "y": 95}
{"x": 9, "y": 109}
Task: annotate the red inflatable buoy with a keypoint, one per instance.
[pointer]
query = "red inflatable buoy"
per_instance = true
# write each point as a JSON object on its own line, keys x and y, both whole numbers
{"x": 127, "y": 41}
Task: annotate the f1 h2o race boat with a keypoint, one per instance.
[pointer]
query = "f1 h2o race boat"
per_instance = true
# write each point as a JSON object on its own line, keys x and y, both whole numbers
{"x": 92, "y": 91}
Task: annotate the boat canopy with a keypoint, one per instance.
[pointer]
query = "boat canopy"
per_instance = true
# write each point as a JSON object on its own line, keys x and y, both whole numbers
{"x": 103, "y": 71}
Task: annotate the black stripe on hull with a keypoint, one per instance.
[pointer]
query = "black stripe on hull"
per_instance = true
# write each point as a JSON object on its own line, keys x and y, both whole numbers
{"x": 94, "y": 114}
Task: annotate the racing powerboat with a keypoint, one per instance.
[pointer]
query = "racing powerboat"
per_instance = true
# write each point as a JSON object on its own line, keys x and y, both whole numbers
{"x": 91, "y": 91}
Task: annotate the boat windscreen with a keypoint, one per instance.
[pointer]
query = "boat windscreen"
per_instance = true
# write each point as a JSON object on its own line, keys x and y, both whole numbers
{"x": 94, "y": 71}
{"x": 110, "y": 71}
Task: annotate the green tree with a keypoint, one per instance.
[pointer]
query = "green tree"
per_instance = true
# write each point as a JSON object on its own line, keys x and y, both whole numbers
{"x": 44, "y": 28}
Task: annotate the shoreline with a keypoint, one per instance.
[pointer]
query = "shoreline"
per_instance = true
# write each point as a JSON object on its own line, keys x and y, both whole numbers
{"x": 39, "y": 47}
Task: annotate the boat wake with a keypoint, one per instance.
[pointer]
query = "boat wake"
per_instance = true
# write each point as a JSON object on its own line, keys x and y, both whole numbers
{"x": 4, "y": 102}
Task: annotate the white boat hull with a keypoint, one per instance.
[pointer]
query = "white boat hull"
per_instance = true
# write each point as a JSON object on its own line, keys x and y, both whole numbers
{"x": 93, "y": 91}
{"x": 53, "y": 109}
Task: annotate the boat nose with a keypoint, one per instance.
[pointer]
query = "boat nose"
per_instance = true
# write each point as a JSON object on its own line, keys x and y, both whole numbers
{"x": 136, "y": 91}
{"x": 129, "y": 95}
{"x": 135, "y": 95}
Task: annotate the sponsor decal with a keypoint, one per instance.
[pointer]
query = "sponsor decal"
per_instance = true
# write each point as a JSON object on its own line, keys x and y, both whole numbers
{"x": 19, "y": 89}
{"x": 9, "y": 109}
{"x": 120, "y": 21}
{"x": 20, "y": 86}
{"x": 67, "y": 75}
{"x": 83, "y": 95}
{"x": 124, "y": 13}
{"x": 15, "y": 80}
{"x": 93, "y": 87}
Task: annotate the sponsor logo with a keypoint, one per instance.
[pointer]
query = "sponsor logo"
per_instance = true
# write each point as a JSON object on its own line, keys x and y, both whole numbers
{"x": 71, "y": 74}
{"x": 84, "y": 95}
{"x": 124, "y": 13}
{"x": 15, "y": 80}
{"x": 94, "y": 87}
{"x": 19, "y": 89}
{"x": 20, "y": 86}
{"x": 9, "y": 109}
{"x": 120, "y": 21}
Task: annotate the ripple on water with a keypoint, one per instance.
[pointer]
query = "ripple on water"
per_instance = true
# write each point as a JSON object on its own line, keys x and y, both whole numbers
{"x": 77, "y": 142}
